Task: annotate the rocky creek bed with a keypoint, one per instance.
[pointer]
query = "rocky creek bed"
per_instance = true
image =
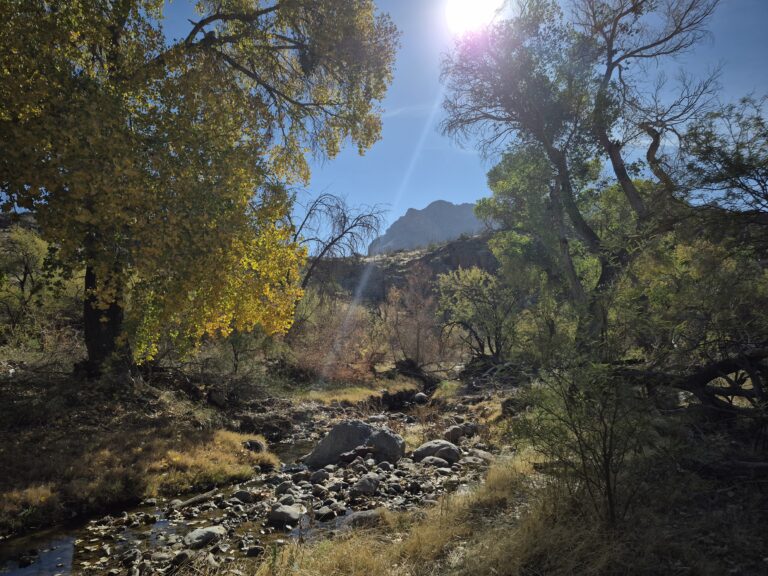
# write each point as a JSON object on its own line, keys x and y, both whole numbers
{"x": 354, "y": 467}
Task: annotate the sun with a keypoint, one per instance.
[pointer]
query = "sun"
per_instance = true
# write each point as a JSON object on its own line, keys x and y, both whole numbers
{"x": 465, "y": 16}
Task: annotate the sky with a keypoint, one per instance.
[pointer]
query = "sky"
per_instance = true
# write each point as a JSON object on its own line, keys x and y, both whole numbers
{"x": 413, "y": 164}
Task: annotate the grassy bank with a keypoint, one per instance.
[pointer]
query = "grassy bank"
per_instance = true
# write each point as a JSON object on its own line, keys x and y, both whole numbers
{"x": 66, "y": 451}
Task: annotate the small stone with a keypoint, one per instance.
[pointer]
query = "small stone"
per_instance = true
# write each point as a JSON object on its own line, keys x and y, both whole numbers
{"x": 435, "y": 461}
{"x": 254, "y": 551}
{"x": 203, "y": 536}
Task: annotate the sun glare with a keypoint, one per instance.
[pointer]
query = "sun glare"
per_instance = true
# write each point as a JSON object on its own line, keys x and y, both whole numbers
{"x": 465, "y": 16}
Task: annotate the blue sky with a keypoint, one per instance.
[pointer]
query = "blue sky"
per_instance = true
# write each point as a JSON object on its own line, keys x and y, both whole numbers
{"x": 413, "y": 165}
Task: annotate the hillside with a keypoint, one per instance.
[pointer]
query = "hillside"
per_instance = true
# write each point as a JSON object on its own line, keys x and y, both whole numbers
{"x": 371, "y": 277}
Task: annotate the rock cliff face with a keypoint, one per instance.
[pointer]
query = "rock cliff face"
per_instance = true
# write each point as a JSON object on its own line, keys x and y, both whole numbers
{"x": 370, "y": 278}
{"x": 439, "y": 222}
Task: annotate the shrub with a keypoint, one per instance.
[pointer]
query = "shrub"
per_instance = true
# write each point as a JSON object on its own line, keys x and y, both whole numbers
{"x": 594, "y": 433}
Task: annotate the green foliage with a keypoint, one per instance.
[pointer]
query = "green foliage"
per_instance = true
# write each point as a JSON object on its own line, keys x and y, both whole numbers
{"x": 594, "y": 432}
{"x": 36, "y": 302}
{"x": 483, "y": 308}
{"x": 727, "y": 152}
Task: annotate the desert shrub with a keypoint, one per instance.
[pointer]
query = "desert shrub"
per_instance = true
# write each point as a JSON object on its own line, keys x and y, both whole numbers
{"x": 409, "y": 320}
{"x": 596, "y": 434}
{"x": 337, "y": 338}
{"x": 39, "y": 307}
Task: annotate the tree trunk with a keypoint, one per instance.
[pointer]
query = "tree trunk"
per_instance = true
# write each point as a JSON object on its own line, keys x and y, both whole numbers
{"x": 102, "y": 330}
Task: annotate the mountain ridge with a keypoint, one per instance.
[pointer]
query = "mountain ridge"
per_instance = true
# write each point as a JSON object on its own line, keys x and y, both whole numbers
{"x": 440, "y": 221}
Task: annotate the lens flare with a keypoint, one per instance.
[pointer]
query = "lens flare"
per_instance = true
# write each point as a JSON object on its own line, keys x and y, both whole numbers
{"x": 465, "y": 16}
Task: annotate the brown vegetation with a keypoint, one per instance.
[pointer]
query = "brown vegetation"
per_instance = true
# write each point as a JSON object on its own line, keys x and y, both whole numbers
{"x": 66, "y": 451}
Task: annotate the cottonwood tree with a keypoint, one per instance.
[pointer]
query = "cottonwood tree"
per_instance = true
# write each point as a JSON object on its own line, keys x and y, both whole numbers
{"x": 159, "y": 165}
{"x": 567, "y": 88}
{"x": 483, "y": 307}
{"x": 558, "y": 92}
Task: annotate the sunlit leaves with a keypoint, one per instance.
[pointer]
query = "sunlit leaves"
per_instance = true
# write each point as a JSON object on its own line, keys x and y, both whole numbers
{"x": 161, "y": 164}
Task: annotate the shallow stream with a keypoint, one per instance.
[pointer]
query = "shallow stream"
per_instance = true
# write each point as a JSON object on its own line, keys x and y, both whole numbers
{"x": 69, "y": 549}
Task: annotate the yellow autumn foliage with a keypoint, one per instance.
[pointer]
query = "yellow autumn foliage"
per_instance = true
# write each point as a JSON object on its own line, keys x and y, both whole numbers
{"x": 162, "y": 166}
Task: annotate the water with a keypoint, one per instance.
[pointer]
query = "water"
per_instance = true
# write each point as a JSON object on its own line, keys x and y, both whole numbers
{"x": 64, "y": 551}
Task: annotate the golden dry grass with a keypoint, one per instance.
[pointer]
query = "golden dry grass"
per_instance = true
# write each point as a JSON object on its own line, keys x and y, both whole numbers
{"x": 404, "y": 544}
{"x": 354, "y": 394}
{"x": 91, "y": 458}
{"x": 222, "y": 459}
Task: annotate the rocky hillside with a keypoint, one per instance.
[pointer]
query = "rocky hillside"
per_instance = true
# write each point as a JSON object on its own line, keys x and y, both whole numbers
{"x": 371, "y": 278}
{"x": 439, "y": 222}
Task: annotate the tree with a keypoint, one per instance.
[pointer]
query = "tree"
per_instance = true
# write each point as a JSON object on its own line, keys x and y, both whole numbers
{"x": 727, "y": 157}
{"x": 330, "y": 228}
{"x": 159, "y": 165}
{"x": 409, "y": 316}
{"x": 483, "y": 308}
{"x": 566, "y": 89}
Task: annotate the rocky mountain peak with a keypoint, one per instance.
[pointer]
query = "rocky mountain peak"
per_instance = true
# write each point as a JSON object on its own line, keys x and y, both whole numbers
{"x": 439, "y": 222}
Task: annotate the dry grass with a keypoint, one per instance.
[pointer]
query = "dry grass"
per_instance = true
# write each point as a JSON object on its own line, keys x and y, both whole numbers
{"x": 327, "y": 393}
{"x": 404, "y": 544}
{"x": 222, "y": 459}
{"x": 517, "y": 524}
{"x": 84, "y": 457}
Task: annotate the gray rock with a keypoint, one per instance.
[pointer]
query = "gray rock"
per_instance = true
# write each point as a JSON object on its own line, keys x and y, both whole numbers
{"x": 284, "y": 515}
{"x": 283, "y": 488}
{"x": 254, "y": 551}
{"x": 161, "y": 557}
{"x": 366, "y": 486}
{"x": 454, "y": 433}
{"x": 389, "y": 447}
{"x": 287, "y": 499}
{"x": 421, "y": 398}
{"x": 472, "y": 462}
{"x": 364, "y": 518}
{"x": 255, "y": 445}
{"x": 343, "y": 437}
{"x": 470, "y": 428}
{"x": 319, "y": 476}
{"x": 132, "y": 556}
{"x": 203, "y": 536}
{"x": 244, "y": 496}
{"x": 434, "y": 461}
{"x": 440, "y": 448}
{"x": 325, "y": 513}
{"x": 346, "y": 436}
{"x": 449, "y": 453}
{"x": 482, "y": 454}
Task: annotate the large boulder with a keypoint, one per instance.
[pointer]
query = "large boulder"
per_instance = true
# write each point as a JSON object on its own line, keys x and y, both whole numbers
{"x": 345, "y": 436}
{"x": 439, "y": 448}
{"x": 388, "y": 446}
